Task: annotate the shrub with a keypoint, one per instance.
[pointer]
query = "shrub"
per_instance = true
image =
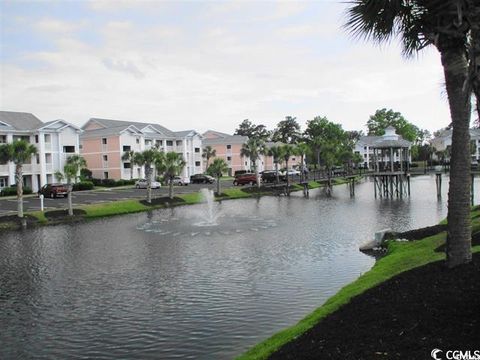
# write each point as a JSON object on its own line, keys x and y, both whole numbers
{"x": 83, "y": 185}
{"x": 85, "y": 174}
{"x": 12, "y": 190}
{"x": 108, "y": 182}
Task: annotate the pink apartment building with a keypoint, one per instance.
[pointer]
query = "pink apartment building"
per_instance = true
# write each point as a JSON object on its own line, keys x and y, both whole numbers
{"x": 228, "y": 147}
{"x": 104, "y": 142}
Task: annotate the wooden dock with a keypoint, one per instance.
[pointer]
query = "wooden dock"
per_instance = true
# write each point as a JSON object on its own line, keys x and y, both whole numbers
{"x": 391, "y": 184}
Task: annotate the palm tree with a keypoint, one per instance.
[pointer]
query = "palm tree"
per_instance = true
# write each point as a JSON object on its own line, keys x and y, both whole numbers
{"x": 217, "y": 168}
{"x": 208, "y": 153}
{"x": 252, "y": 149}
{"x": 277, "y": 153}
{"x": 173, "y": 165}
{"x": 302, "y": 149}
{"x": 19, "y": 152}
{"x": 288, "y": 151}
{"x": 147, "y": 158}
{"x": 71, "y": 169}
{"x": 129, "y": 156}
{"x": 441, "y": 23}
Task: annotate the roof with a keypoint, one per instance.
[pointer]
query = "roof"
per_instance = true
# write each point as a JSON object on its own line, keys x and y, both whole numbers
{"x": 19, "y": 120}
{"x": 381, "y": 142}
{"x": 186, "y": 133}
{"x": 111, "y": 124}
{"x": 230, "y": 139}
{"x": 216, "y": 134}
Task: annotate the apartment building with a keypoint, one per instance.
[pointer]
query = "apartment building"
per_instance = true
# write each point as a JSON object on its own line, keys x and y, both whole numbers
{"x": 55, "y": 141}
{"x": 444, "y": 141}
{"x": 228, "y": 147}
{"x": 104, "y": 141}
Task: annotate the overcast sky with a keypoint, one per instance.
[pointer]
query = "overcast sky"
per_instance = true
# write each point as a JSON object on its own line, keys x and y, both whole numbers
{"x": 206, "y": 65}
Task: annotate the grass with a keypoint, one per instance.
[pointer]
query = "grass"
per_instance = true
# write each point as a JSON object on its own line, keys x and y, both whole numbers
{"x": 401, "y": 256}
{"x": 113, "y": 208}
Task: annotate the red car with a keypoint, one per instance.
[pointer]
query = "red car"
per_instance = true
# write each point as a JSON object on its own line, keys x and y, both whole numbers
{"x": 245, "y": 179}
{"x": 53, "y": 190}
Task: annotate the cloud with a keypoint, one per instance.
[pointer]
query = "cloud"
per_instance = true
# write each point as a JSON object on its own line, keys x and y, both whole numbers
{"x": 123, "y": 66}
{"x": 50, "y": 25}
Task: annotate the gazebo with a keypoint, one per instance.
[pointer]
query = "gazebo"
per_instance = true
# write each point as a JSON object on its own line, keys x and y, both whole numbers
{"x": 391, "y": 154}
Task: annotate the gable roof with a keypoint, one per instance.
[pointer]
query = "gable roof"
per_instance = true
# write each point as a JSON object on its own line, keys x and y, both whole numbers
{"x": 211, "y": 134}
{"x": 111, "y": 124}
{"x": 19, "y": 120}
{"x": 230, "y": 139}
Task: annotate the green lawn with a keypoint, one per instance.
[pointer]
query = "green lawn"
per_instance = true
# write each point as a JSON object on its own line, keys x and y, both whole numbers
{"x": 401, "y": 256}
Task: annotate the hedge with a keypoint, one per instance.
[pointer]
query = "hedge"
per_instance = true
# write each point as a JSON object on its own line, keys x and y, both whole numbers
{"x": 12, "y": 190}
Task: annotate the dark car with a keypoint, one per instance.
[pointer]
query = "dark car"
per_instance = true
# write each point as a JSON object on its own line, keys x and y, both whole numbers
{"x": 270, "y": 176}
{"x": 201, "y": 179}
{"x": 245, "y": 179}
{"x": 53, "y": 190}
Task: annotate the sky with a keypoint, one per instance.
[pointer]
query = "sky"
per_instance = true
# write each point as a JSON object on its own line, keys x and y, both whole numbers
{"x": 207, "y": 64}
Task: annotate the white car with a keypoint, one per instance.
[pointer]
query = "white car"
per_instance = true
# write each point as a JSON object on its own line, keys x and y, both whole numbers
{"x": 142, "y": 184}
{"x": 293, "y": 172}
{"x": 177, "y": 180}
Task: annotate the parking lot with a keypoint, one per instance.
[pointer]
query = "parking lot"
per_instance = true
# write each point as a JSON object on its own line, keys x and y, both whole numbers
{"x": 32, "y": 202}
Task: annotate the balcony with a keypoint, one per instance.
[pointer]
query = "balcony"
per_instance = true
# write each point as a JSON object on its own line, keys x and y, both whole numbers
{"x": 48, "y": 146}
{"x": 105, "y": 164}
{"x": 104, "y": 147}
{"x": 49, "y": 167}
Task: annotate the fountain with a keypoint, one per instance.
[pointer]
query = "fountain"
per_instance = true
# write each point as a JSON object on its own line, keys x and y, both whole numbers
{"x": 212, "y": 214}
{"x": 206, "y": 219}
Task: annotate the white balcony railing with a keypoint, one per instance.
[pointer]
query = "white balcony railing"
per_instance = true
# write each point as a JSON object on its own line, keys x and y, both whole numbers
{"x": 49, "y": 167}
{"x": 104, "y": 147}
{"x": 105, "y": 164}
{"x": 48, "y": 146}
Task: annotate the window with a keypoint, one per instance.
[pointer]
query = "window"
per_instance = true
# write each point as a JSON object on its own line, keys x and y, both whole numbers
{"x": 293, "y": 159}
{"x": 229, "y": 158}
{"x": 126, "y": 147}
{"x": 3, "y": 139}
{"x": 36, "y": 139}
{"x": 105, "y": 157}
{"x": 159, "y": 143}
{"x": 197, "y": 163}
{"x": 104, "y": 141}
{"x": 127, "y": 165}
{"x": 48, "y": 138}
{"x": 24, "y": 138}
{"x": 69, "y": 149}
{"x": 81, "y": 146}
{"x": 179, "y": 142}
{"x": 197, "y": 150}
{"x": 148, "y": 142}
{"x": 105, "y": 174}
{"x": 365, "y": 156}
{"x": 48, "y": 158}
{"x": 229, "y": 147}
{"x": 169, "y": 142}
{"x": 364, "y": 148}
{"x": 37, "y": 158}
{"x": 137, "y": 140}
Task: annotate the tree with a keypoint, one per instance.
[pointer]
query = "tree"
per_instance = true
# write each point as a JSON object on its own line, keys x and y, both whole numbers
{"x": 19, "y": 152}
{"x": 249, "y": 129}
{"x": 302, "y": 149}
{"x": 171, "y": 164}
{"x": 444, "y": 24}
{"x": 276, "y": 152}
{"x": 287, "y": 131}
{"x": 129, "y": 156}
{"x": 208, "y": 153}
{"x": 71, "y": 170}
{"x": 252, "y": 149}
{"x": 288, "y": 151}
{"x": 217, "y": 168}
{"x": 384, "y": 118}
{"x": 147, "y": 158}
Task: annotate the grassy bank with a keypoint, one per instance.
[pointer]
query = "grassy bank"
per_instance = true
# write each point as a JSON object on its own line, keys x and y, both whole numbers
{"x": 401, "y": 256}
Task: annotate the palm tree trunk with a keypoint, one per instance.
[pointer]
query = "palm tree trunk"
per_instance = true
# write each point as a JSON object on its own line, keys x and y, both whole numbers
{"x": 170, "y": 188}
{"x": 276, "y": 173}
{"x": 459, "y": 225}
{"x": 288, "y": 177}
{"x": 19, "y": 181}
{"x": 131, "y": 169}
{"x": 148, "y": 173}
{"x": 218, "y": 185}
{"x": 70, "y": 205}
{"x": 256, "y": 174}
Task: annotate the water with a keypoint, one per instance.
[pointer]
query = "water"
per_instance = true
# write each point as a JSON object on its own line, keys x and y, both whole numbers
{"x": 159, "y": 286}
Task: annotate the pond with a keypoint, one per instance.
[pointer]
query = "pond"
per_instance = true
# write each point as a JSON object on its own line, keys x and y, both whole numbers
{"x": 186, "y": 283}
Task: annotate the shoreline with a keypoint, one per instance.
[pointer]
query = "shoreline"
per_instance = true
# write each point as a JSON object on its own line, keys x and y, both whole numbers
{"x": 122, "y": 207}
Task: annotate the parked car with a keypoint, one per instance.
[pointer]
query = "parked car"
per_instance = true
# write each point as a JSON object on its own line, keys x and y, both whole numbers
{"x": 142, "y": 184}
{"x": 201, "y": 179}
{"x": 291, "y": 172}
{"x": 270, "y": 176}
{"x": 244, "y": 179}
{"x": 177, "y": 180}
{"x": 53, "y": 190}
{"x": 240, "y": 172}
